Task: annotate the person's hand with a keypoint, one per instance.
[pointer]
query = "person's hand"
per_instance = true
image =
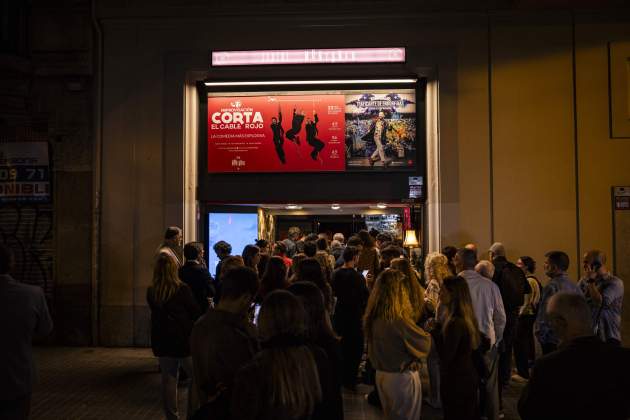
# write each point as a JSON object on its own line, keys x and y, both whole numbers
{"x": 591, "y": 274}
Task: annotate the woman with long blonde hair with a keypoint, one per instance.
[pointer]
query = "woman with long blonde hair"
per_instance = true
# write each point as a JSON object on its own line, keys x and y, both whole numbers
{"x": 412, "y": 284}
{"x": 288, "y": 379}
{"x": 456, "y": 338}
{"x": 173, "y": 313}
{"x": 395, "y": 345}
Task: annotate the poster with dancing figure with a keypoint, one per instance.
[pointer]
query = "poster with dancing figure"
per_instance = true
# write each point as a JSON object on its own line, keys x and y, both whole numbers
{"x": 380, "y": 130}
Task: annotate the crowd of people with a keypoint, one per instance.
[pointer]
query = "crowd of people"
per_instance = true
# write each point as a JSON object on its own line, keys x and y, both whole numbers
{"x": 282, "y": 329}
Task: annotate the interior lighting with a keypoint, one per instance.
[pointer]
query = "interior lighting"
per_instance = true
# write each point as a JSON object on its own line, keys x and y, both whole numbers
{"x": 381, "y": 205}
{"x": 293, "y": 207}
{"x": 335, "y": 206}
{"x": 312, "y": 82}
{"x": 411, "y": 240}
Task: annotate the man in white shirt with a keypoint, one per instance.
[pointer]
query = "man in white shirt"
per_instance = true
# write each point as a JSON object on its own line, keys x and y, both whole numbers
{"x": 488, "y": 307}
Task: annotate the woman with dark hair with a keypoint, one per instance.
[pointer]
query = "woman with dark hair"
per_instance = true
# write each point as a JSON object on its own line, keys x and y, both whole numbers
{"x": 288, "y": 379}
{"x": 395, "y": 346}
{"x": 251, "y": 257}
{"x": 274, "y": 278}
{"x": 319, "y": 332}
{"x": 524, "y": 347}
{"x": 311, "y": 270}
{"x": 456, "y": 339}
{"x": 368, "y": 257}
{"x": 173, "y": 314}
{"x": 449, "y": 252}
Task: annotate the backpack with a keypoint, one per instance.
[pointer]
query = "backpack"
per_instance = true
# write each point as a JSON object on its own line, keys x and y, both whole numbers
{"x": 513, "y": 285}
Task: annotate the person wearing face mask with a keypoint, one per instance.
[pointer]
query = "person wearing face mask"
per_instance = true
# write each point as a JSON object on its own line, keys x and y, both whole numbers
{"x": 556, "y": 266}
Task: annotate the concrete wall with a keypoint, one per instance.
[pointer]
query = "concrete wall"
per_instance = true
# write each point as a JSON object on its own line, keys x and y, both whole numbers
{"x": 523, "y": 128}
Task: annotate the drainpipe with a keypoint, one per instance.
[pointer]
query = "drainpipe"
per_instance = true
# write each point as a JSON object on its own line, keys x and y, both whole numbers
{"x": 96, "y": 162}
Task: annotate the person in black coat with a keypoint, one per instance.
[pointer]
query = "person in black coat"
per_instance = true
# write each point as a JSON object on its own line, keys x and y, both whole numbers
{"x": 196, "y": 275}
{"x": 278, "y": 136}
{"x": 296, "y": 127}
{"x": 584, "y": 378}
{"x": 311, "y": 136}
{"x": 173, "y": 314}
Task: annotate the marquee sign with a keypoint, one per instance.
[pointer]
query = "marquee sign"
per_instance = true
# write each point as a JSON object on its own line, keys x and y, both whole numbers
{"x": 308, "y": 56}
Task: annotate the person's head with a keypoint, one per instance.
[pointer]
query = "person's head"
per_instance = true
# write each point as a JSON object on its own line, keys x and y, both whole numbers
{"x": 233, "y": 261}
{"x": 449, "y": 251}
{"x": 222, "y": 249}
{"x": 310, "y": 248}
{"x": 294, "y": 233}
{"x": 412, "y": 284}
{"x": 239, "y": 287}
{"x": 323, "y": 258}
{"x": 173, "y": 236}
{"x": 527, "y": 264}
{"x": 335, "y": 244}
{"x": 263, "y": 245}
{"x": 297, "y": 260}
{"x": 373, "y": 233}
{"x": 465, "y": 259}
{"x": 274, "y": 120}
{"x": 6, "y": 259}
{"x": 389, "y": 300}
{"x": 485, "y": 268}
{"x": 455, "y": 296}
{"x": 193, "y": 251}
{"x": 382, "y": 239}
{"x": 595, "y": 260}
{"x": 339, "y": 237}
{"x": 322, "y": 244}
{"x": 388, "y": 254}
{"x": 436, "y": 267}
{"x": 556, "y": 263}
{"x": 293, "y": 381}
{"x": 569, "y": 316}
{"x": 366, "y": 239}
{"x": 165, "y": 278}
{"x": 351, "y": 256}
{"x": 381, "y": 115}
{"x": 311, "y": 270}
{"x": 279, "y": 249}
{"x": 496, "y": 250}
{"x": 355, "y": 241}
{"x": 471, "y": 246}
{"x": 251, "y": 256}
{"x": 317, "y": 320}
{"x": 275, "y": 275}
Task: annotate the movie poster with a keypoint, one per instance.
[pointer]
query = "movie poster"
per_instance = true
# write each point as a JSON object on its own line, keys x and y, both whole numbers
{"x": 380, "y": 130}
{"x": 283, "y": 133}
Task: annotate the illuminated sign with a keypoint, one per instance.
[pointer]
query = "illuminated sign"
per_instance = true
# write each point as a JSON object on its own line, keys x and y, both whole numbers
{"x": 310, "y": 56}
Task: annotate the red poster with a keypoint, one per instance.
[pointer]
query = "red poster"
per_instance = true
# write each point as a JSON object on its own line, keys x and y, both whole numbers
{"x": 284, "y": 133}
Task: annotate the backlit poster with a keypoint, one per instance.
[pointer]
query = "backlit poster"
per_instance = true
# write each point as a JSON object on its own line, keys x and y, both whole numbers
{"x": 381, "y": 130}
{"x": 312, "y": 132}
{"x": 285, "y": 133}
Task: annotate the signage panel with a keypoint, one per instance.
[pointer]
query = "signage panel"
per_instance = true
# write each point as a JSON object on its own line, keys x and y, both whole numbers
{"x": 308, "y": 56}
{"x": 24, "y": 172}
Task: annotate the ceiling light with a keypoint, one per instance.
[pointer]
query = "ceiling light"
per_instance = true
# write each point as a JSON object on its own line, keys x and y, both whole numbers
{"x": 381, "y": 205}
{"x": 311, "y": 82}
{"x": 335, "y": 206}
{"x": 293, "y": 207}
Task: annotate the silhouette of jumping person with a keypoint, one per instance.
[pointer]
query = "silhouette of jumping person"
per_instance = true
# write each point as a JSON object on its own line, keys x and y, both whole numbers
{"x": 296, "y": 126}
{"x": 311, "y": 136}
{"x": 278, "y": 136}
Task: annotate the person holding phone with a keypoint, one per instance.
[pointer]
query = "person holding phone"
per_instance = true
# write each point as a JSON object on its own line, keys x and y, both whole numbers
{"x": 604, "y": 295}
{"x": 352, "y": 295}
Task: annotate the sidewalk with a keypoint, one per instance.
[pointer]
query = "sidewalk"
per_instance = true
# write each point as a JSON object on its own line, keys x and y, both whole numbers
{"x": 124, "y": 383}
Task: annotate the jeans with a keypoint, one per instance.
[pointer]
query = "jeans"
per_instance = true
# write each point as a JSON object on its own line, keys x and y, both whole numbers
{"x": 489, "y": 391}
{"x": 169, "y": 366}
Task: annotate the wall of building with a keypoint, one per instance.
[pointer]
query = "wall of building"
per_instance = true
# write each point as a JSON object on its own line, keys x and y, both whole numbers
{"x": 526, "y": 154}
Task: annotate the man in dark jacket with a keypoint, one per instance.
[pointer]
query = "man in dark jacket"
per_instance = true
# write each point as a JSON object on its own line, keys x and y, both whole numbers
{"x": 23, "y": 317}
{"x": 584, "y": 378}
{"x": 224, "y": 339}
{"x": 195, "y": 274}
{"x": 296, "y": 126}
{"x": 513, "y": 286}
{"x": 311, "y": 136}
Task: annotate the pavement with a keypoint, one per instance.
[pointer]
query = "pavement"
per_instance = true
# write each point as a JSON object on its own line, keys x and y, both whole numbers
{"x": 124, "y": 383}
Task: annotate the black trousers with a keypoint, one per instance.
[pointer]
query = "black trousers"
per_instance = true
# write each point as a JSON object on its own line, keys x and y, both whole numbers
{"x": 292, "y": 132}
{"x": 351, "y": 352}
{"x": 524, "y": 349}
{"x": 317, "y": 145}
{"x": 278, "y": 142}
{"x": 16, "y": 409}
{"x": 505, "y": 358}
